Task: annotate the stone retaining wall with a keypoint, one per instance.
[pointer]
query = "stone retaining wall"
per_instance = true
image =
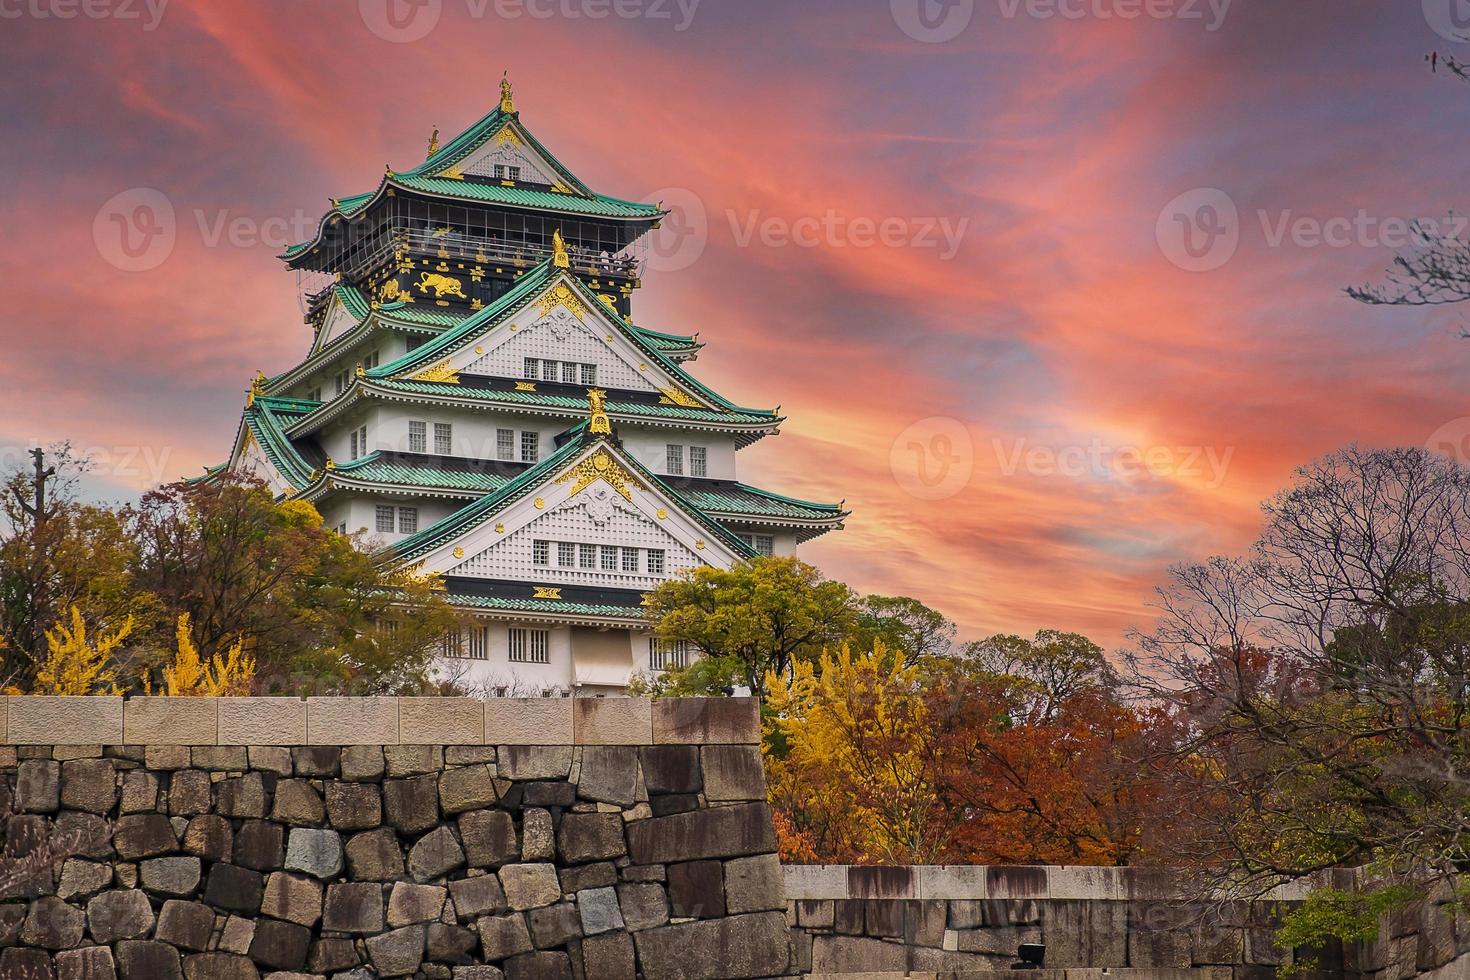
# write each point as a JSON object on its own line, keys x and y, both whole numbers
{"x": 194, "y": 839}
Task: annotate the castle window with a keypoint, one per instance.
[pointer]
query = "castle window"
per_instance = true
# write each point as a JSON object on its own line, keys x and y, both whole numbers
{"x": 530, "y": 646}
{"x": 674, "y": 460}
{"x": 549, "y": 370}
{"x": 664, "y": 654}
{"x": 655, "y": 561}
{"x": 587, "y": 556}
{"x": 762, "y": 543}
{"x": 477, "y": 643}
{"x": 358, "y": 443}
{"x": 418, "y": 440}
{"x": 531, "y": 368}
{"x": 589, "y": 374}
{"x": 530, "y": 447}
{"x": 568, "y": 373}
{"x": 566, "y": 554}
{"x": 408, "y": 520}
{"x": 370, "y": 362}
{"x": 384, "y": 518}
{"x": 541, "y": 552}
{"x": 609, "y": 558}
{"x": 505, "y": 443}
{"x": 698, "y": 461}
{"x": 630, "y": 559}
{"x": 314, "y": 395}
{"x": 443, "y": 438}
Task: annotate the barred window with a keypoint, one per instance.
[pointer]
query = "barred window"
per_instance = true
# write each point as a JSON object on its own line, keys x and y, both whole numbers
{"x": 763, "y": 543}
{"x": 418, "y": 439}
{"x": 698, "y": 461}
{"x": 548, "y": 370}
{"x": 532, "y": 368}
{"x": 568, "y": 373}
{"x": 674, "y": 459}
{"x": 358, "y": 442}
{"x": 566, "y": 554}
{"x": 530, "y": 646}
{"x": 530, "y": 447}
{"x": 587, "y": 556}
{"x": 541, "y": 552}
{"x": 630, "y": 559}
{"x": 384, "y": 515}
{"x": 664, "y": 654}
{"x": 609, "y": 558}
{"x": 443, "y": 438}
{"x": 408, "y": 520}
{"x": 589, "y": 374}
{"x": 655, "y": 561}
{"x": 505, "y": 443}
{"x": 476, "y": 645}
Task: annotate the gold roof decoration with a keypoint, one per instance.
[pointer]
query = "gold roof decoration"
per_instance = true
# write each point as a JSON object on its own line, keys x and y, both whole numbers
{"x": 441, "y": 372}
{"x": 598, "y": 422}
{"x": 257, "y": 388}
{"x": 331, "y": 463}
{"x": 602, "y": 465}
{"x": 507, "y": 103}
{"x": 546, "y": 592}
{"x": 676, "y": 396}
{"x": 561, "y": 295}
{"x": 559, "y": 256}
{"x": 433, "y": 142}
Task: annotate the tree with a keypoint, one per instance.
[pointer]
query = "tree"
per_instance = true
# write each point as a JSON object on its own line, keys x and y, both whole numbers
{"x": 1050, "y": 668}
{"x": 76, "y": 666}
{"x": 224, "y": 675}
{"x": 903, "y": 625}
{"x": 1320, "y": 682}
{"x": 756, "y": 618}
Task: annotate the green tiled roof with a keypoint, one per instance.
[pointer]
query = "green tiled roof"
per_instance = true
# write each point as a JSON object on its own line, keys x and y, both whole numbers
{"x": 427, "y": 471}
{"x": 574, "y": 404}
{"x": 353, "y": 299}
{"x": 738, "y": 498}
{"x": 543, "y": 606}
{"x": 267, "y": 421}
{"x": 598, "y": 205}
{"x": 414, "y": 313}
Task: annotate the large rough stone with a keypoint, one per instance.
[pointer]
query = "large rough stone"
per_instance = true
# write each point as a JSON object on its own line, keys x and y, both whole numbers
{"x": 599, "y": 875}
{"x": 190, "y": 792}
{"x": 609, "y": 774}
{"x": 754, "y": 884}
{"x": 397, "y": 953}
{"x": 237, "y": 935}
{"x": 550, "y": 793}
{"x": 362, "y": 763}
{"x": 316, "y": 852}
{"x": 586, "y": 837}
{"x": 219, "y": 966}
{"x": 697, "y": 889}
{"x": 12, "y": 920}
{"x": 26, "y": 964}
{"x": 410, "y": 904}
{"x": 220, "y": 758}
{"x": 478, "y": 973}
{"x": 209, "y": 836}
{"x": 504, "y": 935}
{"x": 354, "y": 806}
{"x": 670, "y": 769}
{"x": 353, "y": 907}
{"x": 88, "y": 835}
{"x": 538, "y": 838}
{"x": 271, "y": 758}
{"x": 553, "y": 925}
{"x": 476, "y": 896}
{"x": 38, "y": 786}
{"x": 741, "y": 946}
{"x": 466, "y": 788}
{"x": 298, "y": 803}
{"x": 139, "y": 959}
{"x": 1080, "y": 933}
{"x": 599, "y": 910}
{"x": 316, "y": 761}
{"x": 91, "y": 963}
{"x": 727, "y": 831}
{"x": 375, "y": 855}
{"x": 234, "y": 888}
{"x": 173, "y": 876}
{"x": 186, "y": 925}
{"x": 849, "y": 954}
{"x": 529, "y": 886}
{"x": 451, "y": 944}
{"x": 293, "y": 898}
{"x": 412, "y": 760}
{"x": 260, "y": 844}
{"x": 526, "y": 762}
{"x": 733, "y": 772}
{"x": 608, "y": 957}
{"x": 89, "y": 785}
{"x": 241, "y": 797}
{"x": 435, "y": 855}
{"x": 489, "y": 838}
{"x": 119, "y": 915}
{"x": 645, "y": 906}
{"x": 544, "y": 965}
{"x": 332, "y": 954}
{"x": 280, "y": 945}
{"x": 143, "y": 835}
{"x": 139, "y": 792}
{"x": 82, "y": 879}
{"x": 411, "y": 805}
{"x": 53, "y": 924}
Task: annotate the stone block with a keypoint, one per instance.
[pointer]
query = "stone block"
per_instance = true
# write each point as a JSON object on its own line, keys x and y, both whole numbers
{"x": 608, "y": 957}
{"x": 47, "y": 720}
{"x": 812, "y": 913}
{"x": 220, "y": 758}
{"x": 142, "y": 835}
{"x": 316, "y": 761}
{"x": 489, "y": 838}
{"x": 529, "y": 886}
{"x": 139, "y": 792}
{"x": 706, "y": 721}
{"x": 733, "y": 773}
{"x": 397, "y": 953}
{"x": 586, "y": 837}
{"x": 924, "y": 922}
{"x": 409, "y": 904}
{"x": 441, "y": 721}
{"x": 170, "y": 721}
{"x": 671, "y": 769}
{"x": 411, "y": 805}
{"x": 237, "y": 935}
{"x": 190, "y": 792}
{"x": 176, "y": 877}
{"x": 38, "y": 786}
{"x": 351, "y": 721}
{"x": 292, "y": 898}
{"x": 26, "y": 964}
{"x": 165, "y": 758}
{"x": 754, "y": 884}
{"x": 847, "y": 916}
{"x": 478, "y": 973}
{"x": 355, "y": 907}
{"x": 728, "y": 831}
{"x": 467, "y": 788}
{"x": 262, "y": 721}
{"x": 209, "y": 836}
{"x": 612, "y": 721}
{"x": 697, "y": 889}
{"x": 644, "y": 906}
{"x": 1156, "y": 949}
{"x": 599, "y": 875}
{"x": 528, "y": 721}
{"x": 856, "y": 954}
{"x": 1016, "y": 882}
{"x": 375, "y": 855}
{"x": 234, "y": 889}
{"x": 548, "y": 793}
{"x": 504, "y": 935}
{"x": 609, "y": 774}
{"x": 299, "y": 804}
{"x": 362, "y": 763}
{"x": 528, "y": 762}
{"x": 538, "y": 842}
{"x": 951, "y": 881}
{"x": 139, "y": 959}
{"x": 543, "y": 965}
{"x": 434, "y": 855}
{"x": 353, "y": 806}
{"x": 554, "y": 925}
{"x": 756, "y": 945}
{"x": 1086, "y": 883}
{"x": 114, "y": 915}
{"x": 89, "y": 963}
{"x": 260, "y": 845}
{"x": 599, "y": 910}
{"x": 331, "y": 955}
{"x": 882, "y": 882}
{"x": 219, "y": 966}
{"x": 412, "y": 760}
{"x": 271, "y": 758}
{"x": 280, "y": 945}
{"x": 448, "y": 943}
{"x": 187, "y": 925}
{"x": 81, "y": 879}
{"x": 89, "y": 785}
{"x": 315, "y": 852}
{"x": 477, "y": 896}
{"x": 241, "y": 797}
{"x": 1080, "y": 933}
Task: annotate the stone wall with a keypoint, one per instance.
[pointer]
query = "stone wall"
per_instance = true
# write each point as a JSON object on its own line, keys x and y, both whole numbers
{"x": 1135, "y": 923}
{"x": 159, "y": 839}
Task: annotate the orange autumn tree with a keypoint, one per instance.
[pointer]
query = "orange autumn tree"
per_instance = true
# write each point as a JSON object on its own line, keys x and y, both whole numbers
{"x": 850, "y": 757}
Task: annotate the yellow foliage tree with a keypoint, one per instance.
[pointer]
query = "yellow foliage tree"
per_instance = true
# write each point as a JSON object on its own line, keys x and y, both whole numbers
{"x": 76, "y": 666}
{"x": 850, "y": 753}
{"x": 222, "y": 676}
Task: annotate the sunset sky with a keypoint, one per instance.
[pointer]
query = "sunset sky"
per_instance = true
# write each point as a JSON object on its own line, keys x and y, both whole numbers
{"x": 1033, "y": 397}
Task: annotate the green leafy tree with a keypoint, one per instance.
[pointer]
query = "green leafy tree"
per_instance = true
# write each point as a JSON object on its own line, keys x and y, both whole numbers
{"x": 903, "y": 626}
{"x": 1051, "y": 667}
{"x": 758, "y": 616}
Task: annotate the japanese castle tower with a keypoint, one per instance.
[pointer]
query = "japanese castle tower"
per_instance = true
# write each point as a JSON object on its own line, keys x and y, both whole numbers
{"x": 481, "y": 400}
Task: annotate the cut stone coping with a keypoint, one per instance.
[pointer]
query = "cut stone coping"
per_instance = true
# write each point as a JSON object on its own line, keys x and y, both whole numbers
{"x": 48, "y": 720}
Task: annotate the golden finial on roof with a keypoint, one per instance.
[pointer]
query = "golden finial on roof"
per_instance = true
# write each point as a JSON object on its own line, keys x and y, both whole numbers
{"x": 506, "y": 103}
{"x": 434, "y": 141}
{"x": 331, "y": 463}
{"x": 257, "y": 388}
{"x": 360, "y": 371}
{"x": 559, "y": 256}
{"x": 598, "y": 422}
